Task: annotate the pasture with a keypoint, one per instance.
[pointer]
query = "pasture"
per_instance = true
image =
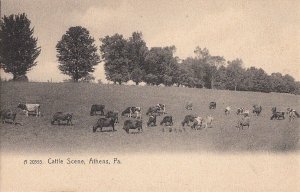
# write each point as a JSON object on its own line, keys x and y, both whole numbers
{"x": 37, "y": 135}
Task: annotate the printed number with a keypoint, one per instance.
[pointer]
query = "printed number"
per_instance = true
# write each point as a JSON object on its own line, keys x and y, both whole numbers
{"x": 36, "y": 162}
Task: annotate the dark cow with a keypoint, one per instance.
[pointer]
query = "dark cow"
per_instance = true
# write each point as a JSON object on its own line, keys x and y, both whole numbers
{"x": 104, "y": 122}
{"x": 189, "y": 105}
{"x": 133, "y": 124}
{"x": 7, "y": 114}
{"x": 240, "y": 111}
{"x": 257, "y": 109}
{"x": 187, "y": 119}
{"x": 61, "y": 116}
{"x": 114, "y": 115}
{"x": 152, "y": 121}
{"x": 95, "y": 108}
{"x": 212, "y": 105}
{"x": 277, "y": 114}
{"x": 167, "y": 121}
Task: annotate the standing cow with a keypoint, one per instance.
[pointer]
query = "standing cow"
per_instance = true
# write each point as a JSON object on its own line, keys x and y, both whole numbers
{"x": 30, "y": 108}
{"x": 104, "y": 122}
{"x": 61, "y": 116}
{"x": 212, "y": 105}
{"x": 7, "y": 114}
{"x": 133, "y": 124}
{"x": 167, "y": 121}
{"x": 95, "y": 108}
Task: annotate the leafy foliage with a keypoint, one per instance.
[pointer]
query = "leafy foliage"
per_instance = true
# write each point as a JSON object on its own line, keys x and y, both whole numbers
{"x": 77, "y": 53}
{"x": 18, "y": 47}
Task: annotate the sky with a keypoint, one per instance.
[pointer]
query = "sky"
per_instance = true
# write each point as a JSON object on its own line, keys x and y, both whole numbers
{"x": 264, "y": 34}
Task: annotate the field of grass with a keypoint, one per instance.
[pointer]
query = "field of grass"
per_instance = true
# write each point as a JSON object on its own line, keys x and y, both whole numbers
{"x": 37, "y": 135}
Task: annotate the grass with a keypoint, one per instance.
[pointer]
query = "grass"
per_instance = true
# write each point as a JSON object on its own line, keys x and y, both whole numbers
{"x": 38, "y": 135}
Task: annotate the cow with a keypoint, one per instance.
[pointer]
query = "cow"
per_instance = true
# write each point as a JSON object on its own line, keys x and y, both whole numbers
{"x": 133, "y": 124}
{"x": 197, "y": 122}
{"x": 113, "y": 114}
{"x": 187, "y": 119}
{"x": 7, "y": 114}
{"x": 246, "y": 113}
{"x": 227, "y": 110}
{"x": 277, "y": 114}
{"x": 161, "y": 108}
{"x": 212, "y": 105}
{"x": 292, "y": 114}
{"x": 257, "y": 109}
{"x": 207, "y": 122}
{"x": 95, "y": 108}
{"x": 129, "y": 111}
{"x": 167, "y": 121}
{"x": 157, "y": 110}
{"x": 189, "y": 105}
{"x": 30, "y": 108}
{"x": 61, "y": 116}
{"x": 152, "y": 121}
{"x": 240, "y": 111}
{"x": 104, "y": 122}
{"x": 244, "y": 121}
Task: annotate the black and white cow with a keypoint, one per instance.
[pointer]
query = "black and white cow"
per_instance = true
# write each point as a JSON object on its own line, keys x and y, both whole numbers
{"x": 133, "y": 112}
{"x": 30, "y": 109}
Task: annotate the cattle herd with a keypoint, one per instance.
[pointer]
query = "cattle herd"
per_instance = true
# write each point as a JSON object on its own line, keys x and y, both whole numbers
{"x": 134, "y": 114}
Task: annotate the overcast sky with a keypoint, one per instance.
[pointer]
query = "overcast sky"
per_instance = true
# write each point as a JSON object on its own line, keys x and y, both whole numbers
{"x": 263, "y": 34}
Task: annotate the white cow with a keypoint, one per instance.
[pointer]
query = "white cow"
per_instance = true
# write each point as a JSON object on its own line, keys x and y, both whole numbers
{"x": 207, "y": 122}
{"x": 30, "y": 108}
{"x": 227, "y": 110}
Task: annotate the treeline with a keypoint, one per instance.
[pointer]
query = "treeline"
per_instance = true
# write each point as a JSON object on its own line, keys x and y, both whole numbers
{"x": 128, "y": 59}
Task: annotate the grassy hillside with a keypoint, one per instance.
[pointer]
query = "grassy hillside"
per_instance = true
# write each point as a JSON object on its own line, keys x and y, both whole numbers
{"x": 38, "y": 135}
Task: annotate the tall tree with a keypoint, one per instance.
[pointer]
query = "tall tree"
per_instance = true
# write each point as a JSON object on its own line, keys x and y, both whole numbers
{"x": 18, "y": 47}
{"x": 235, "y": 73}
{"x": 137, "y": 51}
{"x": 115, "y": 55}
{"x": 77, "y": 53}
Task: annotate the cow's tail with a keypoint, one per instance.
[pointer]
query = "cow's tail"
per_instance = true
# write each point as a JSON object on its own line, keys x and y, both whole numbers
{"x": 297, "y": 114}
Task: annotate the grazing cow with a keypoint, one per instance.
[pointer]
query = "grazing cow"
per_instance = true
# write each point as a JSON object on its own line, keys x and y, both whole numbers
{"x": 277, "y": 114}
{"x": 114, "y": 115}
{"x": 129, "y": 111}
{"x": 197, "y": 122}
{"x": 207, "y": 122}
{"x": 257, "y": 109}
{"x": 60, "y": 116}
{"x": 30, "y": 108}
{"x": 244, "y": 121}
{"x": 95, "y": 108}
{"x": 133, "y": 124}
{"x": 152, "y": 121}
{"x": 162, "y": 108}
{"x": 227, "y": 110}
{"x": 187, "y": 119}
{"x": 7, "y": 114}
{"x": 240, "y": 111}
{"x": 189, "y": 105}
{"x": 246, "y": 113}
{"x": 104, "y": 122}
{"x": 167, "y": 121}
{"x": 212, "y": 105}
{"x": 153, "y": 110}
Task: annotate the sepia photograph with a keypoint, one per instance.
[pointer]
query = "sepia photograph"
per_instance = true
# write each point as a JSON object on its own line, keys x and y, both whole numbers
{"x": 158, "y": 95}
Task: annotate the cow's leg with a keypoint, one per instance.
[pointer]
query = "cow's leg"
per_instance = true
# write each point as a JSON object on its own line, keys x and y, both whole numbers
{"x": 26, "y": 113}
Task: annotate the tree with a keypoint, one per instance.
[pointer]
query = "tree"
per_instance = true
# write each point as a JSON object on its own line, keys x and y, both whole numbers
{"x": 115, "y": 55}
{"x": 18, "y": 47}
{"x": 256, "y": 80}
{"x": 137, "y": 51}
{"x": 77, "y": 53}
{"x": 234, "y": 73}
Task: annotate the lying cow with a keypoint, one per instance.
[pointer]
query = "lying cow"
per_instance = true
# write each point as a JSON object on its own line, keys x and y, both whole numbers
{"x": 152, "y": 121}
{"x": 189, "y": 105}
{"x": 133, "y": 124}
{"x": 30, "y": 108}
{"x": 7, "y": 114}
{"x": 96, "y": 108}
{"x": 61, "y": 116}
{"x": 188, "y": 119}
{"x": 167, "y": 121}
{"x": 114, "y": 115}
{"x": 104, "y": 122}
{"x": 212, "y": 105}
{"x": 242, "y": 122}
